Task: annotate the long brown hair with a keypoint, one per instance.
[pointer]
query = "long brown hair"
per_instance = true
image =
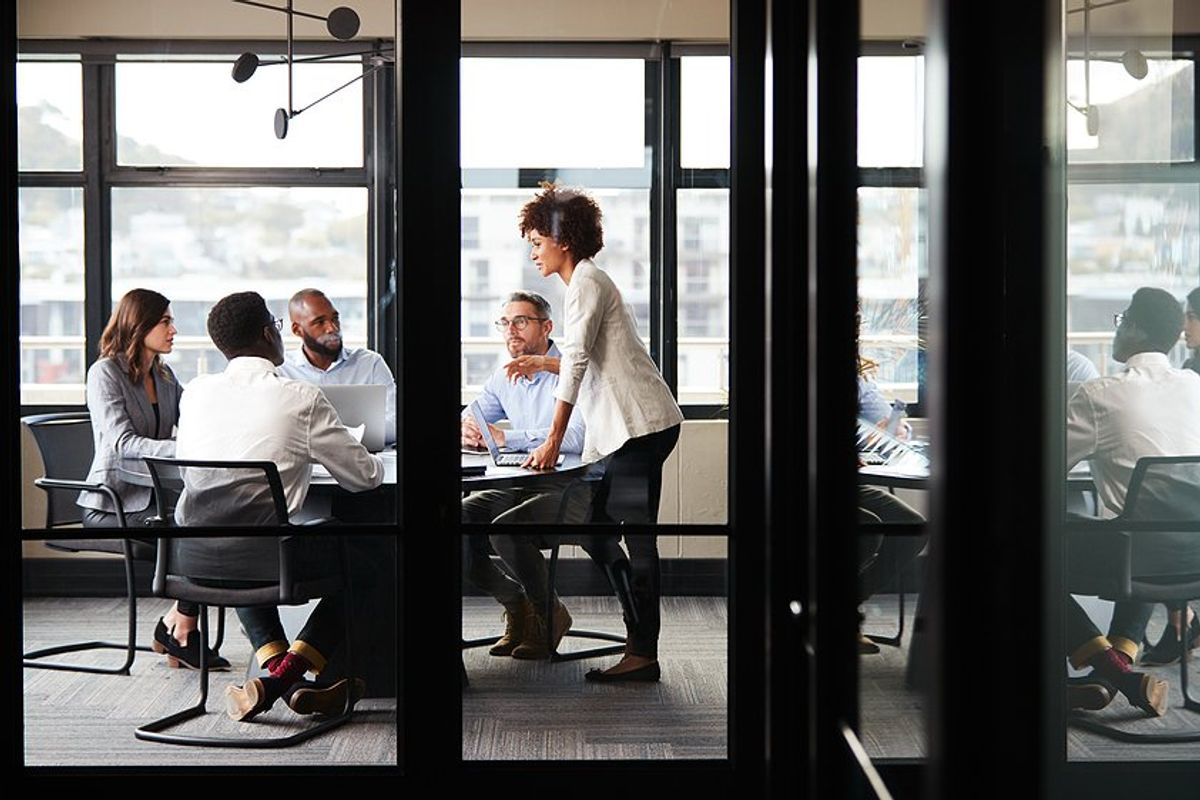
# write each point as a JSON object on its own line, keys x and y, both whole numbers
{"x": 135, "y": 316}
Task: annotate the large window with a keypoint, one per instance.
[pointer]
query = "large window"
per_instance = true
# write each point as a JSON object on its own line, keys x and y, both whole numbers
{"x": 1133, "y": 204}
{"x": 505, "y": 153}
{"x": 892, "y": 220}
{"x": 174, "y": 181}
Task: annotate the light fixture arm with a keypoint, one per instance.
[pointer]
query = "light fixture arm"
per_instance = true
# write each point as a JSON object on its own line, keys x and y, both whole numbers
{"x": 287, "y": 10}
{"x": 356, "y": 78}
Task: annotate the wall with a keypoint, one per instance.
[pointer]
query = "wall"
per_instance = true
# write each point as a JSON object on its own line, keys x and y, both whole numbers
{"x": 527, "y": 20}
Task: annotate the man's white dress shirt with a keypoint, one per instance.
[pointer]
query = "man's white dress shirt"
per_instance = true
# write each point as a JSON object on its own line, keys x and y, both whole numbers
{"x": 248, "y": 412}
{"x": 352, "y": 366}
{"x": 605, "y": 367}
{"x": 1150, "y": 409}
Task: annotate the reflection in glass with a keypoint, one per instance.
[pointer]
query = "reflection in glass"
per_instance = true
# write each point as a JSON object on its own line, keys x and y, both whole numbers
{"x": 51, "y": 246}
{"x": 891, "y": 259}
{"x": 1140, "y": 121}
{"x": 1121, "y": 237}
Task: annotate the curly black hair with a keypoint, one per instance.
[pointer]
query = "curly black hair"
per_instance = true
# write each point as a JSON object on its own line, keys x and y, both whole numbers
{"x": 569, "y": 216}
{"x": 1157, "y": 314}
{"x": 236, "y": 321}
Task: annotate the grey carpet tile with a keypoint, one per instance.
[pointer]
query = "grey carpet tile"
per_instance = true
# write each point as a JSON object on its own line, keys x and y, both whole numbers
{"x": 533, "y": 710}
{"x": 77, "y": 719}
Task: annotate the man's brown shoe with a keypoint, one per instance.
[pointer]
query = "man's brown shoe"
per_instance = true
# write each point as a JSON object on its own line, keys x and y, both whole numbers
{"x": 514, "y": 628}
{"x": 243, "y": 703}
{"x": 542, "y": 639}
{"x": 307, "y": 697}
{"x": 1146, "y": 692}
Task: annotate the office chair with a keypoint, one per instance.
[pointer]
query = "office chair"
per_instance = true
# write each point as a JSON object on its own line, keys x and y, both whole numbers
{"x": 66, "y": 447}
{"x": 618, "y": 580}
{"x": 250, "y": 571}
{"x": 1149, "y": 554}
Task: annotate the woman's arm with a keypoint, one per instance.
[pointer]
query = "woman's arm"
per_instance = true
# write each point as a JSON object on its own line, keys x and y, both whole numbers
{"x": 546, "y": 456}
{"x": 528, "y": 366}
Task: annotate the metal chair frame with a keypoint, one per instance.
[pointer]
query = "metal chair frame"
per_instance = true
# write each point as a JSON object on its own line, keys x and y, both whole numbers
{"x": 1144, "y": 591}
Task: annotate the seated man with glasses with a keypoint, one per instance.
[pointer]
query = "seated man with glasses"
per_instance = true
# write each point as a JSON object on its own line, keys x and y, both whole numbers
{"x": 322, "y": 359}
{"x": 1149, "y": 409}
{"x": 528, "y": 405}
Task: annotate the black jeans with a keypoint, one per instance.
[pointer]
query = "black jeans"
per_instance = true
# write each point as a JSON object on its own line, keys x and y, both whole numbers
{"x": 630, "y": 493}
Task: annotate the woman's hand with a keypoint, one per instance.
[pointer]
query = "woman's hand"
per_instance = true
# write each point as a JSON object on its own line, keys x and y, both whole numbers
{"x": 524, "y": 367}
{"x": 545, "y": 457}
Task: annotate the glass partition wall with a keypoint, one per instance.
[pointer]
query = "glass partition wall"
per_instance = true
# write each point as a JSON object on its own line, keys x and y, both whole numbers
{"x": 641, "y": 131}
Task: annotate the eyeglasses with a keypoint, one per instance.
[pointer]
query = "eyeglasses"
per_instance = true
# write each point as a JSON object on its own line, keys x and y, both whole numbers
{"x": 519, "y": 322}
{"x": 1118, "y": 318}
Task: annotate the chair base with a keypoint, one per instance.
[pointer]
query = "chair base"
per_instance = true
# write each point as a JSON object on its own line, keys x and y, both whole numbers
{"x": 1176, "y": 737}
{"x": 153, "y": 731}
{"x": 892, "y": 641}
{"x": 594, "y": 652}
{"x": 29, "y": 660}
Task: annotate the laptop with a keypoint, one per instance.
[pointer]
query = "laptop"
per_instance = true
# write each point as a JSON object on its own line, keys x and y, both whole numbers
{"x": 361, "y": 404}
{"x": 501, "y": 459}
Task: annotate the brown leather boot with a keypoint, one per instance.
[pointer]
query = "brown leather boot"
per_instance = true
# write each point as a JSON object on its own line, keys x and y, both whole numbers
{"x": 515, "y": 617}
{"x": 542, "y": 639}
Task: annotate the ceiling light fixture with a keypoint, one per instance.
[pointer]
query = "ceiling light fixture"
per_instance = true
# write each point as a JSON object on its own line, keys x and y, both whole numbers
{"x": 342, "y": 24}
{"x": 1133, "y": 60}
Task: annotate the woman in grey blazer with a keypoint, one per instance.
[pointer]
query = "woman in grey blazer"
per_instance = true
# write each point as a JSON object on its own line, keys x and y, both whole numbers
{"x": 133, "y": 397}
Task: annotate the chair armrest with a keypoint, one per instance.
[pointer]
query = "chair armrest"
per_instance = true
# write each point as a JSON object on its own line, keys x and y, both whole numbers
{"x": 46, "y": 484}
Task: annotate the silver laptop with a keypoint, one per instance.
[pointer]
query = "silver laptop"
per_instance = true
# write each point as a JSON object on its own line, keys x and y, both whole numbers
{"x": 361, "y": 404}
{"x": 501, "y": 459}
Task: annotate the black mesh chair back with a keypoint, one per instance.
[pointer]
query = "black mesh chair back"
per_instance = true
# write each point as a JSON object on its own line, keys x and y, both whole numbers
{"x": 65, "y": 444}
{"x": 66, "y": 447}
{"x": 248, "y": 571}
{"x": 231, "y": 493}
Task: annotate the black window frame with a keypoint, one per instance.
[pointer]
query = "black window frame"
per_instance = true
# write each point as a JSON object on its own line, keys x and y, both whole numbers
{"x": 101, "y": 173}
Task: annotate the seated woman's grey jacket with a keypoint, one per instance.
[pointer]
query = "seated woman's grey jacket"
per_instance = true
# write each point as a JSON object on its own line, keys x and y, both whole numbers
{"x": 123, "y": 427}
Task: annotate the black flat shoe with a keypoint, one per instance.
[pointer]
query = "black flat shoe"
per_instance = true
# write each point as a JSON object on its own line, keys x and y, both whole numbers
{"x": 1166, "y": 650}
{"x": 180, "y": 656}
{"x": 645, "y": 674}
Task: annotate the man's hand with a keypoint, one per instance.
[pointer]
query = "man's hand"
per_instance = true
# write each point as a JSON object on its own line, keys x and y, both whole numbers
{"x": 524, "y": 366}
{"x": 545, "y": 457}
{"x": 471, "y": 437}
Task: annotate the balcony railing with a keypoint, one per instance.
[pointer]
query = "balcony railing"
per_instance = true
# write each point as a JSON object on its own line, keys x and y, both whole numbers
{"x": 196, "y": 355}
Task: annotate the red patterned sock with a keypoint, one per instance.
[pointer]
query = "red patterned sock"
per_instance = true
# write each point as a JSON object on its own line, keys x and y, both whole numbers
{"x": 273, "y": 661}
{"x": 1111, "y": 663}
{"x": 290, "y": 668}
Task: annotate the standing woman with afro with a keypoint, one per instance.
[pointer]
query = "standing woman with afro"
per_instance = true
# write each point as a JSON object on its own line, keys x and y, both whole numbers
{"x": 632, "y": 418}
